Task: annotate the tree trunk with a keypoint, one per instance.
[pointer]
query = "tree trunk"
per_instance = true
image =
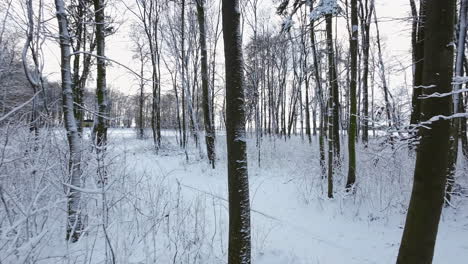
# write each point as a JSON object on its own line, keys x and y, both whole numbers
{"x": 74, "y": 223}
{"x": 319, "y": 94}
{"x": 141, "y": 99}
{"x": 456, "y": 100}
{"x": 353, "y": 103}
{"x": 333, "y": 82}
{"x": 100, "y": 127}
{"x": 427, "y": 197}
{"x": 209, "y": 128}
{"x": 388, "y": 106}
{"x": 418, "y": 54}
{"x": 182, "y": 48}
{"x": 366, "y": 13}
{"x": 239, "y": 205}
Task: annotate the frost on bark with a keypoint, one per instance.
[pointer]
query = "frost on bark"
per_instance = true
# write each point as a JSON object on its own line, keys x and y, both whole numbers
{"x": 427, "y": 197}
{"x": 74, "y": 224}
{"x": 333, "y": 83}
{"x": 328, "y": 8}
{"x": 319, "y": 91}
{"x": 239, "y": 206}
{"x": 333, "y": 137}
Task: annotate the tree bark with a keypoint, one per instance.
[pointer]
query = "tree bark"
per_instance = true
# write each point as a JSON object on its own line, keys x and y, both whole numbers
{"x": 353, "y": 102}
{"x": 209, "y": 128}
{"x": 239, "y": 205}
{"x": 333, "y": 82}
{"x": 74, "y": 223}
{"x": 320, "y": 95}
{"x": 418, "y": 54}
{"x": 366, "y": 14}
{"x": 456, "y": 101}
{"x": 100, "y": 127}
{"x": 427, "y": 197}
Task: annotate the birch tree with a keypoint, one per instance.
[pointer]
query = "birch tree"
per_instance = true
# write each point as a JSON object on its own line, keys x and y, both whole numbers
{"x": 74, "y": 222}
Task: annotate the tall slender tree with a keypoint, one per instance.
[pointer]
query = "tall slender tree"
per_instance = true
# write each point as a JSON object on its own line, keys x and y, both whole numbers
{"x": 74, "y": 223}
{"x": 456, "y": 123}
{"x": 427, "y": 197}
{"x": 353, "y": 102}
{"x": 239, "y": 205}
{"x": 366, "y": 7}
{"x": 418, "y": 60}
{"x": 207, "y": 116}
{"x": 333, "y": 85}
{"x": 100, "y": 126}
{"x": 320, "y": 94}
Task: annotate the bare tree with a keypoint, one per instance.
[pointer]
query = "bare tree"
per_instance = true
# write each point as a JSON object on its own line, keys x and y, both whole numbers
{"x": 427, "y": 197}
{"x": 239, "y": 204}
{"x": 353, "y": 108}
{"x": 207, "y": 116}
{"x": 74, "y": 223}
{"x": 456, "y": 123}
{"x": 33, "y": 45}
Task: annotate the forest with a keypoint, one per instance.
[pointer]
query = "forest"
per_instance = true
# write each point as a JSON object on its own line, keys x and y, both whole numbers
{"x": 233, "y": 131}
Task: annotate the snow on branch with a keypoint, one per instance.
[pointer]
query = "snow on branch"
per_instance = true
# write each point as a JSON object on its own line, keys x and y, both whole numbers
{"x": 325, "y": 7}
{"x": 18, "y": 107}
{"x": 438, "y": 95}
{"x": 460, "y": 79}
{"x": 442, "y": 117}
{"x": 83, "y": 190}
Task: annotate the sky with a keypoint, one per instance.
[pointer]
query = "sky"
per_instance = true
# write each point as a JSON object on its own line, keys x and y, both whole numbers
{"x": 394, "y": 27}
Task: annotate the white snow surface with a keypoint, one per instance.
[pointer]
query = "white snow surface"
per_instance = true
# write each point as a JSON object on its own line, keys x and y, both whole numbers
{"x": 165, "y": 209}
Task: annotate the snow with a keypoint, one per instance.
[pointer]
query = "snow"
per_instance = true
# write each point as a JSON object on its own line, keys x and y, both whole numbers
{"x": 162, "y": 207}
{"x": 325, "y": 7}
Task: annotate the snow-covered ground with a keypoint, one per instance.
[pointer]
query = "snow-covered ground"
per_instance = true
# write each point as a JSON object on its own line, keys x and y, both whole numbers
{"x": 163, "y": 208}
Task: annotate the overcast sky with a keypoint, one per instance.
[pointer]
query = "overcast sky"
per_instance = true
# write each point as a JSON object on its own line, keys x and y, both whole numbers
{"x": 393, "y": 23}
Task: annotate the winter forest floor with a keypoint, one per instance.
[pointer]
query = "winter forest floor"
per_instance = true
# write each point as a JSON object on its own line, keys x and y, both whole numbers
{"x": 161, "y": 208}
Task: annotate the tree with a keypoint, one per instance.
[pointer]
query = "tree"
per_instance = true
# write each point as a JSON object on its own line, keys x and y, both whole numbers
{"x": 209, "y": 127}
{"x": 83, "y": 44}
{"x": 418, "y": 34}
{"x": 239, "y": 205}
{"x": 353, "y": 42}
{"x": 320, "y": 95}
{"x": 427, "y": 197}
{"x": 141, "y": 53}
{"x": 366, "y": 10}
{"x": 33, "y": 45}
{"x": 328, "y": 8}
{"x": 457, "y": 103}
{"x": 100, "y": 125}
{"x": 74, "y": 223}
{"x": 148, "y": 14}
